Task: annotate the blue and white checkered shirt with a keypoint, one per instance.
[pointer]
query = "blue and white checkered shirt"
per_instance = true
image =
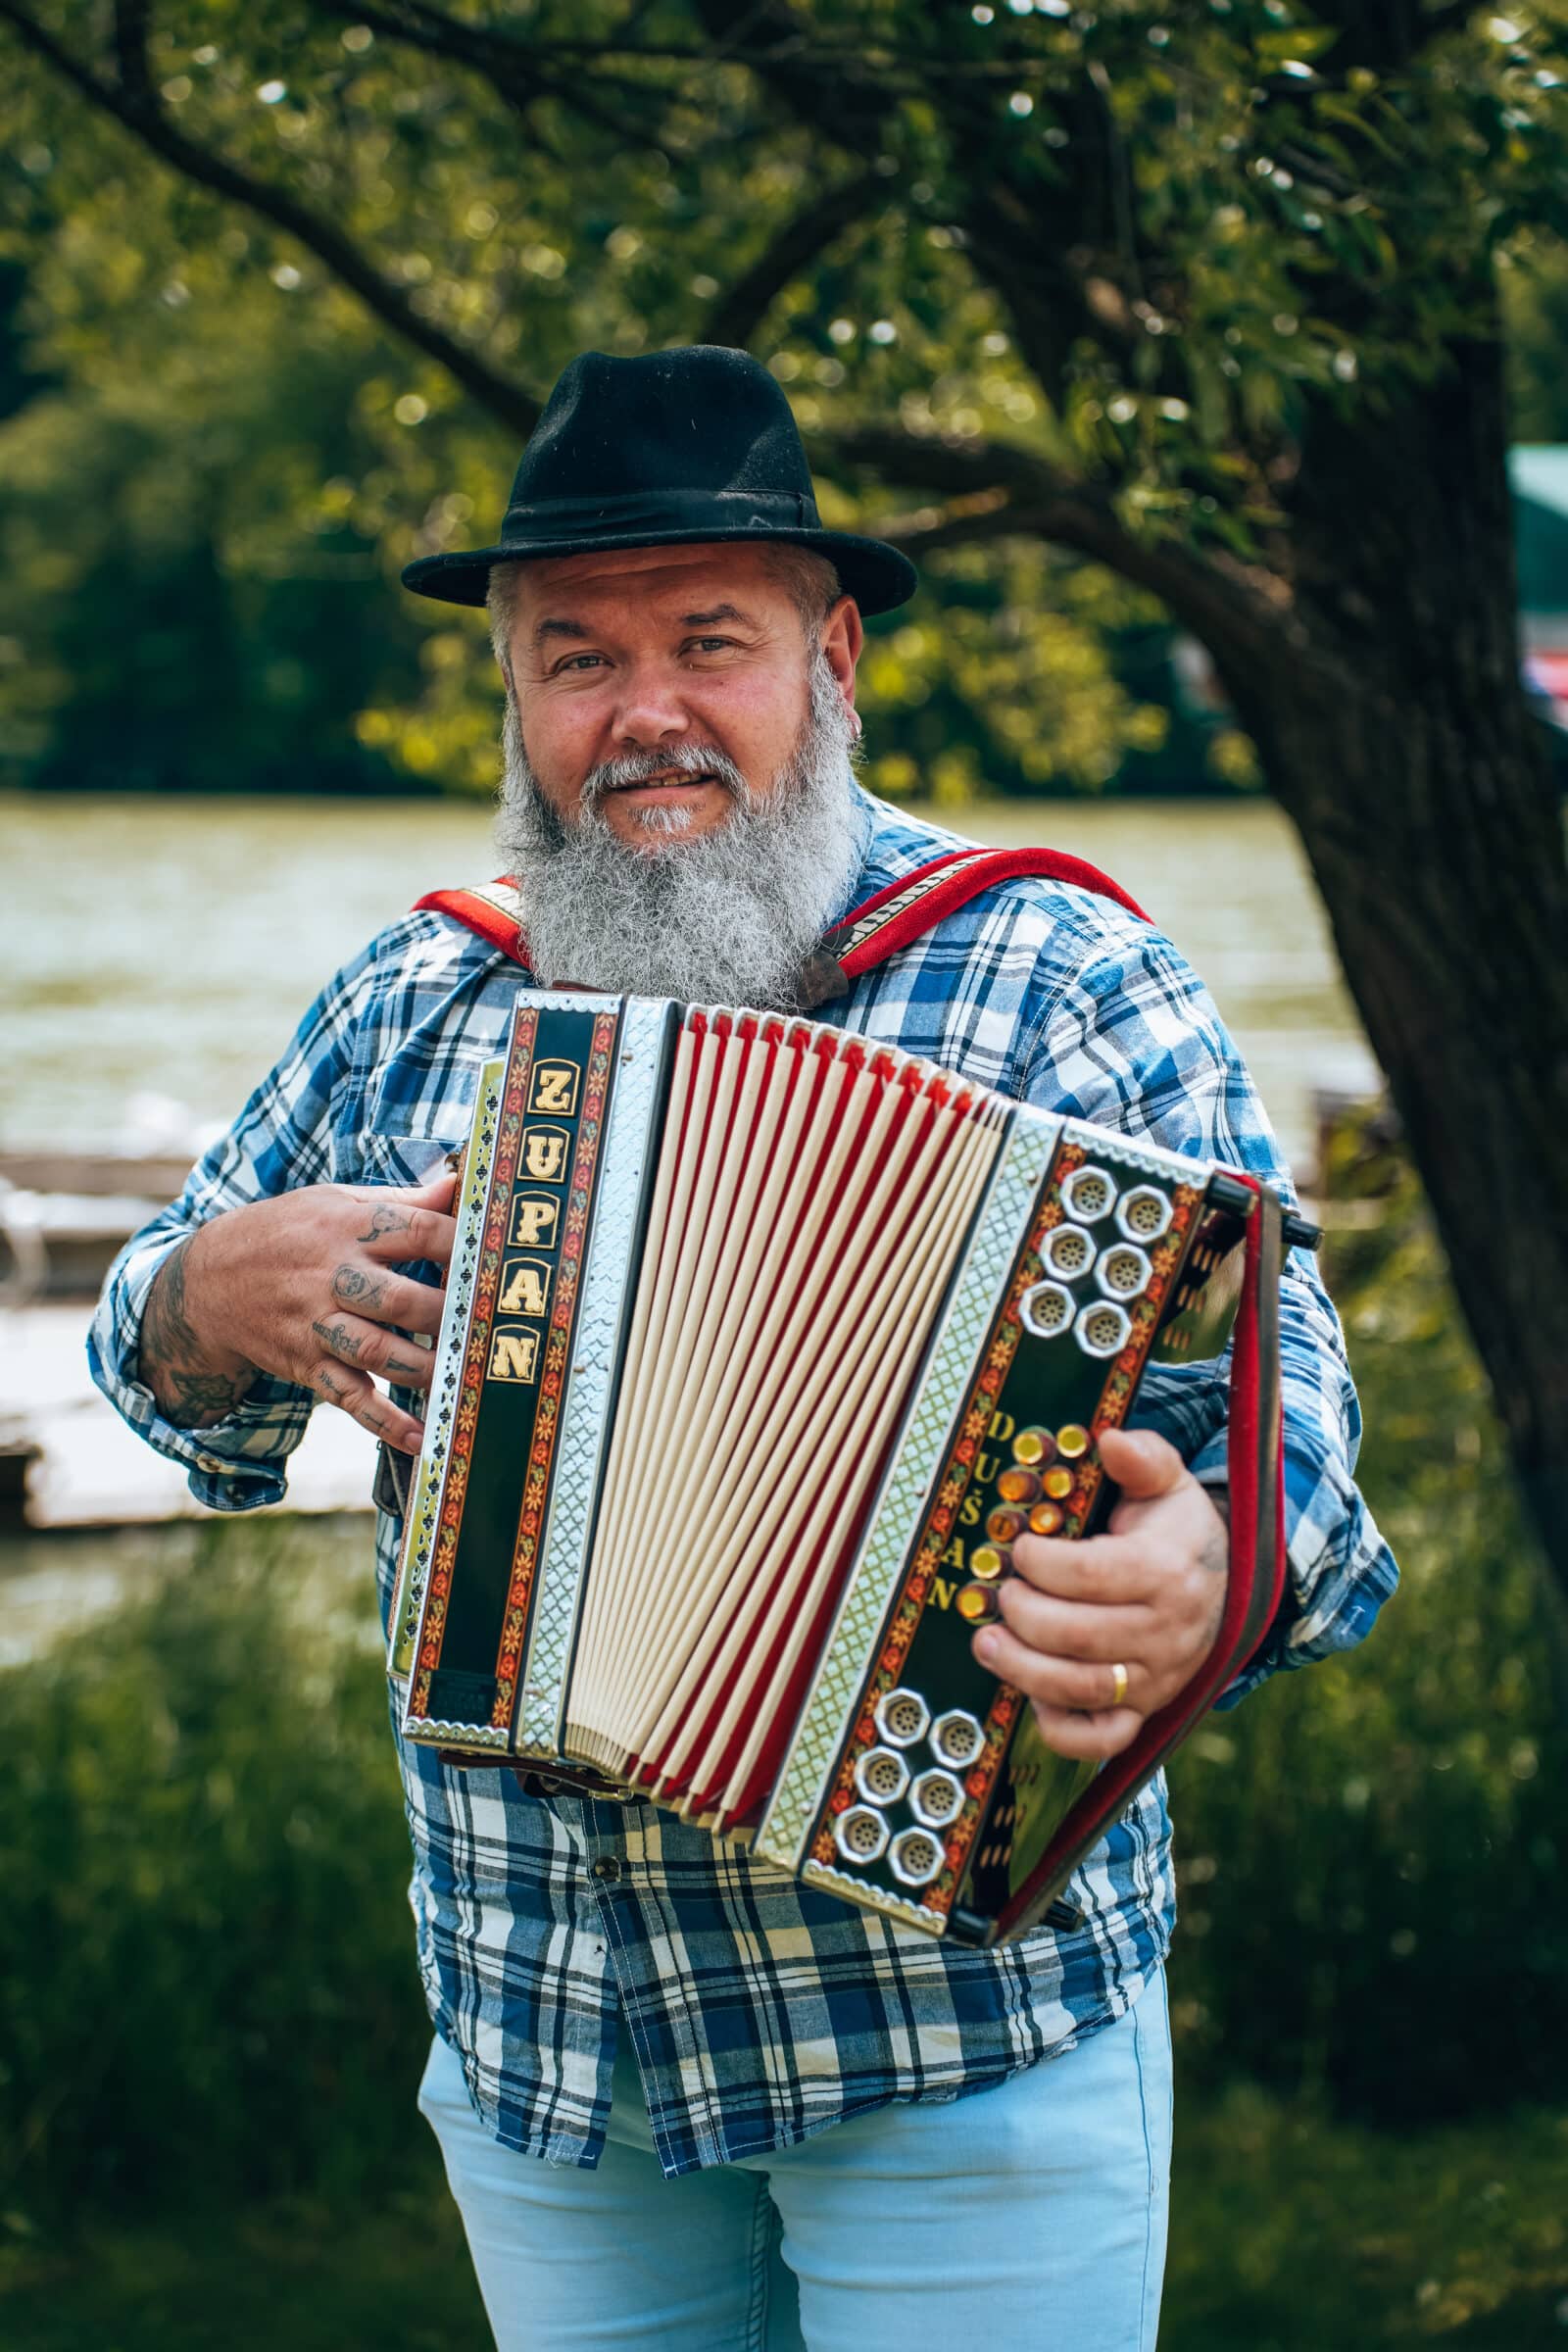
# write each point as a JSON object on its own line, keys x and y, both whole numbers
{"x": 761, "y": 2011}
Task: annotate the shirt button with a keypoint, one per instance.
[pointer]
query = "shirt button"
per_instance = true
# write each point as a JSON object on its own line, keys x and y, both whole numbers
{"x": 608, "y": 1869}
{"x": 211, "y": 1461}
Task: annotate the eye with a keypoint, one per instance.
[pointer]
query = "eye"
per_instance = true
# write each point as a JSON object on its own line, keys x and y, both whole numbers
{"x": 709, "y": 645}
{"x": 578, "y": 662}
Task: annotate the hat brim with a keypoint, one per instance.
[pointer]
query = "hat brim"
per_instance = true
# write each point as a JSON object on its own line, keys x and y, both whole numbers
{"x": 876, "y": 576}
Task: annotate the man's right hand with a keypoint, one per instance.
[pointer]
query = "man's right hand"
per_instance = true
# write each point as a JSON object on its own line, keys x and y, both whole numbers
{"x": 301, "y": 1287}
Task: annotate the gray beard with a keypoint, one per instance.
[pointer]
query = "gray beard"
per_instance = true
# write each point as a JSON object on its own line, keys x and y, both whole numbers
{"x": 727, "y": 918}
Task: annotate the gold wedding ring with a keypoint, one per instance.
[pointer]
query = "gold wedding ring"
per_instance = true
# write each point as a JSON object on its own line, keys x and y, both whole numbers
{"x": 1119, "y": 1685}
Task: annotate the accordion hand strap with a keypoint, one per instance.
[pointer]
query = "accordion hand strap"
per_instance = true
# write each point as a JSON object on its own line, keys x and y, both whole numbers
{"x": 1256, "y": 1584}
{"x": 890, "y": 919}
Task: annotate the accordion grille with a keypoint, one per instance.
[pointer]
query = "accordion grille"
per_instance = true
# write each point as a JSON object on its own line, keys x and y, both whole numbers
{"x": 813, "y": 1196}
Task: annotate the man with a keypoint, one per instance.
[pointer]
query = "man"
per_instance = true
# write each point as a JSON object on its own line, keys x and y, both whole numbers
{"x": 612, "y": 1991}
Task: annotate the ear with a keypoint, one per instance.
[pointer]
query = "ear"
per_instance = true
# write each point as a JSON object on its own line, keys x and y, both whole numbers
{"x": 841, "y": 641}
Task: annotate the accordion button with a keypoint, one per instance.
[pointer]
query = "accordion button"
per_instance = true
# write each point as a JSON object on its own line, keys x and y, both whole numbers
{"x": 1033, "y": 1447}
{"x": 976, "y": 1602}
{"x": 1057, "y": 1483}
{"x": 1018, "y": 1485}
{"x": 1072, "y": 1441}
{"x": 607, "y": 1868}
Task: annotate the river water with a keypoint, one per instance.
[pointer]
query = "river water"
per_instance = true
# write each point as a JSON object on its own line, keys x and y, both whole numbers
{"x": 159, "y": 951}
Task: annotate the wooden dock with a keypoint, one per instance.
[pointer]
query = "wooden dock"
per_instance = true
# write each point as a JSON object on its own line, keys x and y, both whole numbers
{"x": 67, "y": 1459}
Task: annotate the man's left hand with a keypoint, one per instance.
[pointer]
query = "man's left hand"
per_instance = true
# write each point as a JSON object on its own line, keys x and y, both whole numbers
{"x": 1147, "y": 1595}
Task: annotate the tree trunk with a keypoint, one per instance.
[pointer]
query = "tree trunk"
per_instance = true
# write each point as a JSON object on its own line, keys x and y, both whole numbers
{"x": 1400, "y": 745}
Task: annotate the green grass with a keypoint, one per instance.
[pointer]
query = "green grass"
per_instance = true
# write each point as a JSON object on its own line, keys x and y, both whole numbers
{"x": 1289, "y": 2234}
{"x": 317, "y": 2277}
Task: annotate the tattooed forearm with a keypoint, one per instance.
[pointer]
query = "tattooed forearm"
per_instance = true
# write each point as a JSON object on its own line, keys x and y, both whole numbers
{"x": 192, "y": 1387}
{"x": 202, "y": 1398}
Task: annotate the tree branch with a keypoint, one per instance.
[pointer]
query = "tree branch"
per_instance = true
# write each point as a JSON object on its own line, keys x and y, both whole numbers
{"x": 502, "y": 62}
{"x": 130, "y": 50}
{"x": 839, "y": 104}
{"x": 1001, "y": 491}
{"x": 742, "y": 308}
{"x": 137, "y": 112}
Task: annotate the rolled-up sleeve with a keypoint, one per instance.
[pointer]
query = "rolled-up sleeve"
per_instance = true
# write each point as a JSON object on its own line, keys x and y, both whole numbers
{"x": 1134, "y": 1042}
{"x": 281, "y": 1139}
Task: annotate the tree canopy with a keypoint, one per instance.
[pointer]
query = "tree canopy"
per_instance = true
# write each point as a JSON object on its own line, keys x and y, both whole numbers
{"x": 303, "y": 272}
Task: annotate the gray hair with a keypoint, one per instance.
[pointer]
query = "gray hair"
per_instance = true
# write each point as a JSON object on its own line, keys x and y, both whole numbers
{"x": 811, "y": 579}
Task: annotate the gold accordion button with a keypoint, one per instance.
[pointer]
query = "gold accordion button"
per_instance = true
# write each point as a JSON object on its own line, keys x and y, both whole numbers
{"x": 1003, "y": 1525}
{"x": 1034, "y": 1447}
{"x": 1072, "y": 1441}
{"x": 1045, "y": 1519}
{"x": 1018, "y": 1485}
{"x": 1058, "y": 1481}
{"x": 987, "y": 1562}
{"x": 976, "y": 1602}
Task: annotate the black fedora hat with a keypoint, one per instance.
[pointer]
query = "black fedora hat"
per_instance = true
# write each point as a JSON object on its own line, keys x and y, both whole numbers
{"x": 680, "y": 446}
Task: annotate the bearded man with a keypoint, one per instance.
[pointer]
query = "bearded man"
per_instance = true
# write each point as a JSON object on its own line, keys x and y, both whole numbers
{"x": 752, "y": 2102}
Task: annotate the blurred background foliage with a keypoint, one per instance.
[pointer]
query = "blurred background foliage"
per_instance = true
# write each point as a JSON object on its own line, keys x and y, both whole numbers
{"x": 205, "y": 1960}
{"x": 217, "y": 458}
{"x": 200, "y": 536}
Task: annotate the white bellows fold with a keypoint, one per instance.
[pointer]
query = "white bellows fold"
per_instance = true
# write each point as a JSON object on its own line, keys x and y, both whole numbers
{"x": 811, "y": 1201}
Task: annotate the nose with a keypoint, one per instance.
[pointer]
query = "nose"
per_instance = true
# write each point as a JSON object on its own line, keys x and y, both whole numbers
{"x": 651, "y": 710}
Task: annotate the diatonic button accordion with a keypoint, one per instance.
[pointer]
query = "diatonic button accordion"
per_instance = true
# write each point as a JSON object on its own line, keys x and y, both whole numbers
{"x": 763, "y": 1343}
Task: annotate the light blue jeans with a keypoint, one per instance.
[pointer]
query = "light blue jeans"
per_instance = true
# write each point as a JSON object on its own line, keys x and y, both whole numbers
{"x": 1028, "y": 2216}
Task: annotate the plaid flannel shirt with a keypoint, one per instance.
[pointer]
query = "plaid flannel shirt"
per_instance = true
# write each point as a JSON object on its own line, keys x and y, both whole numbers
{"x": 761, "y": 2011}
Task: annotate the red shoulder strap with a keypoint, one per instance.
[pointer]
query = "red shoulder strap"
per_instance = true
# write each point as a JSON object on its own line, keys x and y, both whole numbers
{"x": 885, "y": 923}
{"x": 888, "y": 920}
{"x": 491, "y": 909}
{"x": 905, "y": 910}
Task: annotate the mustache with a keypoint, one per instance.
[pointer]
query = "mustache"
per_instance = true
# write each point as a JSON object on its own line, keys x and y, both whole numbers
{"x": 684, "y": 758}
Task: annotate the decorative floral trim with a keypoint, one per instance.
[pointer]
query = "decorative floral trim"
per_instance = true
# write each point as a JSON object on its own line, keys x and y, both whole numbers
{"x": 476, "y": 1355}
{"x": 553, "y": 1377}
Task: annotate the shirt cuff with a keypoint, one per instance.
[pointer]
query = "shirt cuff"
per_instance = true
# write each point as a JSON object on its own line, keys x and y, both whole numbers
{"x": 234, "y": 1464}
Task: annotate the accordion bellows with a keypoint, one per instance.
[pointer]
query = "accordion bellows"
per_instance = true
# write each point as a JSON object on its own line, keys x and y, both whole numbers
{"x": 762, "y": 1343}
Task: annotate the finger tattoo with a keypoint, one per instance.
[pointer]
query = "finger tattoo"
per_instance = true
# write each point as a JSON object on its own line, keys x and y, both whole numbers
{"x": 400, "y": 1363}
{"x": 386, "y": 1220}
{"x": 339, "y": 1338}
{"x": 356, "y": 1287}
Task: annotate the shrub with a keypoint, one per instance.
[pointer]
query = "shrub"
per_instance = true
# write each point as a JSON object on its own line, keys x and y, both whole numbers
{"x": 1372, "y": 1851}
{"x": 206, "y": 1959}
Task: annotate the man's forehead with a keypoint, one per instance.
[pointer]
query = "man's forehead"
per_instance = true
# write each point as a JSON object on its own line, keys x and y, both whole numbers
{"x": 708, "y": 572}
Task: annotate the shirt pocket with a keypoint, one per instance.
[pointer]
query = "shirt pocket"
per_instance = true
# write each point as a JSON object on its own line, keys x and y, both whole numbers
{"x": 406, "y": 1158}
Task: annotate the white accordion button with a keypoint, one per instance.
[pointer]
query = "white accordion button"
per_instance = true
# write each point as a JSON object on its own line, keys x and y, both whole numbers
{"x": 1088, "y": 1194}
